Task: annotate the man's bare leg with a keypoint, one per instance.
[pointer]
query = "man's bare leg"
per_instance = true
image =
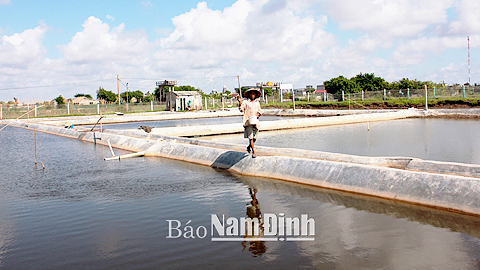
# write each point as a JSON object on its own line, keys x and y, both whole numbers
{"x": 252, "y": 146}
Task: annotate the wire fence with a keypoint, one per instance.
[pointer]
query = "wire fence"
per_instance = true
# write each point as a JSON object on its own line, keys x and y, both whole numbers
{"x": 50, "y": 110}
{"x": 11, "y": 111}
{"x": 432, "y": 93}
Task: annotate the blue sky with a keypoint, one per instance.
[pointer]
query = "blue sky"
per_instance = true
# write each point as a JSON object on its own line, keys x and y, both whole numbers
{"x": 48, "y": 48}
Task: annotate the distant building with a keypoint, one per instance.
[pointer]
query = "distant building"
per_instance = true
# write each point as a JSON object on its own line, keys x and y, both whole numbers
{"x": 320, "y": 90}
{"x": 83, "y": 101}
{"x": 184, "y": 100}
{"x": 300, "y": 92}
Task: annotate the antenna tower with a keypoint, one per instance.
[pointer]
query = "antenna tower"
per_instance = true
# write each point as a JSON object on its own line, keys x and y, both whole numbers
{"x": 468, "y": 46}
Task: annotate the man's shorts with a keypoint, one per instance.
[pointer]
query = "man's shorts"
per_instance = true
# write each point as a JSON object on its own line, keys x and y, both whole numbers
{"x": 250, "y": 132}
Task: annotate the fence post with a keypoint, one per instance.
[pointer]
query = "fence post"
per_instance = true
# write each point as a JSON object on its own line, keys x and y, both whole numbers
{"x": 384, "y": 94}
{"x": 35, "y": 110}
{"x": 325, "y": 96}
{"x": 408, "y": 93}
{"x": 434, "y": 93}
{"x": 293, "y": 98}
{"x": 343, "y": 95}
{"x": 98, "y": 108}
{"x": 1, "y": 111}
{"x": 151, "y": 105}
{"x": 206, "y": 105}
{"x": 426, "y": 98}
{"x": 463, "y": 91}
{"x": 363, "y": 95}
{"x": 68, "y": 108}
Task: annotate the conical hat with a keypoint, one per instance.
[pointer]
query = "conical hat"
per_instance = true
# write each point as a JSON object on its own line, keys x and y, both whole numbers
{"x": 255, "y": 90}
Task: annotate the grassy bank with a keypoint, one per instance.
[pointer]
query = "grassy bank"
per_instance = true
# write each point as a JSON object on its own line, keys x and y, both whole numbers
{"x": 399, "y": 103}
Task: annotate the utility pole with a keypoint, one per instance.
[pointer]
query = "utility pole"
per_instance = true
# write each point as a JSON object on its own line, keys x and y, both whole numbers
{"x": 118, "y": 89}
{"x": 239, "y": 87}
{"x": 127, "y": 97}
{"x": 293, "y": 97}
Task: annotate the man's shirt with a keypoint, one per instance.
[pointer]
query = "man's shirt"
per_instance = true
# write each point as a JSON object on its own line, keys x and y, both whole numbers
{"x": 250, "y": 108}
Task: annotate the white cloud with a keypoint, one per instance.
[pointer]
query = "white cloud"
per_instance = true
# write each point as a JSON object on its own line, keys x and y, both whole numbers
{"x": 468, "y": 19}
{"x": 248, "y": 31}
{"x": 110, "y": 17}
{"x": 22, "y": 49}
{"x": 388, "y": 18}
{"x": 415, "y": 50}
{"x": 97, "y": 43}
{"x": 5, "y": 2}
{"x": 453, "y": 70}
{"x": 163, "y": 31}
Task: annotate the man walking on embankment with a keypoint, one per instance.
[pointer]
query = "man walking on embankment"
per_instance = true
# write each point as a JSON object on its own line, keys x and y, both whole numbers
{"x": 251, "y": 112}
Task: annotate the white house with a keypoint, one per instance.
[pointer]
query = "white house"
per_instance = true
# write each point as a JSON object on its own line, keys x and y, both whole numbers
{"x": 184, "y": 100}
{"x": 84, "y": 101}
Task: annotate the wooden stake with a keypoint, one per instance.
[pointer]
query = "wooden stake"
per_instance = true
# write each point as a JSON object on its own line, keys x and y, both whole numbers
{"x": 35, "y": 145}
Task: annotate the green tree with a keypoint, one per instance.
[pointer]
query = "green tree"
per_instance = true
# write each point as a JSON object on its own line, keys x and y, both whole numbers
{"x": 411, "y": 84}
{"x": 268, "y": 91}
{"x": 135, "y": 94}
{"x": 157, "y": 92}
{"x": 83, "y": 95}
{"x": 339, "y": 84}
{"x": 244, "y": 89}
{"x": 407, "y": 83}
{"x": 60, "y": 100}
{"x": 148, "y": 97}
{"x": 108, "y": 96}
{"x": 368, "y": 82}
{"x": 186, "y": 88}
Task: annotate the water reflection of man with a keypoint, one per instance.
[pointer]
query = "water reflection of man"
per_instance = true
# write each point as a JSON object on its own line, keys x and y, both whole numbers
{"x": 253, "y": 211}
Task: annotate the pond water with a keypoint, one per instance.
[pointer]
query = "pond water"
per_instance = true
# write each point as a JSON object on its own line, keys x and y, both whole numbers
{"x": 189, "y": 122}
{"x": 430, "y": 139}
{"x": 82, "y": 212}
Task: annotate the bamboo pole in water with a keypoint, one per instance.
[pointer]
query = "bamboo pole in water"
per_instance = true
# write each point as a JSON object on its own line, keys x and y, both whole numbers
{"x": 138, "y": 154}
{"x": 35, "y": 145}
{"x": 111, "y": 150}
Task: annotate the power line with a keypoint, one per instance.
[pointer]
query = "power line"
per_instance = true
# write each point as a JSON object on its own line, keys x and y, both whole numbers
{"x": 188, "y": 78}
{"x": 122, "y": 82}
{"x": 52, "y": 85}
